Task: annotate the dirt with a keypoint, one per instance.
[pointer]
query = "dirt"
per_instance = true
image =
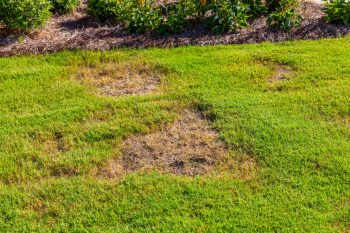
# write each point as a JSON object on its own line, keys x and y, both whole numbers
{"x": 187, "y": 147}
{"x": 79, "y": 31}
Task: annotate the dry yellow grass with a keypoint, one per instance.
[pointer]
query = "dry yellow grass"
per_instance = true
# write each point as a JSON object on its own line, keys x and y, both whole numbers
{"x": 187, "y": 147}
{"x": 121, "y": 78}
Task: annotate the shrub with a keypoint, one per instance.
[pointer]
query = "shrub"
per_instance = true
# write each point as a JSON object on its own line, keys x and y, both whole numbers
{"x": 175, "y": 17}
{"x": 137, "y": 16}
{"x": 103, "y": 9}
{"x": 273, "y": 5}
{"x": 64, "y": 6}
{"x": 24, "y": 15}
{"x": 141, "y": 16}
{"x": 255, "y": 7}
{"x": 149, "y": 15}
{"x": 282, "y": 5}
{"x": 338, "y": 11}
{"x": 284, "y": 15}
{"x": 227, "y": 16}
{"x": 284, "y": 20}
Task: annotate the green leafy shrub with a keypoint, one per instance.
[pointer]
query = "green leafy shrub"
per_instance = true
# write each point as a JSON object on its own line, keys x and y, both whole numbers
{"x": 338, "y": 11}
{"x": 104, "y": 9}
{"x": 135, "y": 15}
{"x": 64, "y": 6}
{"x": 227, "y": 16}
{"x": 175, "y": 17}
{"x": 141, "y": 16}
{"x": 284, "y": 14}
{"x": 273, "y": 5}
{"x": 284, "y": 20}
{"x": 255, "y": 7}
{"x": 280, "y": 5}
{"x": 220, "y": 15}
{"x": 24, "y": 15}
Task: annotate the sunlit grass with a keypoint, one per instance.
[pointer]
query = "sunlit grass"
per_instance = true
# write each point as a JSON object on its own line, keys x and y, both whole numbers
{"x": 54, "y": 131}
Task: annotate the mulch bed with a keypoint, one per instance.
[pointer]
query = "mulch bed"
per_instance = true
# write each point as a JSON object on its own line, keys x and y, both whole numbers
{"x": 79, "y": 31}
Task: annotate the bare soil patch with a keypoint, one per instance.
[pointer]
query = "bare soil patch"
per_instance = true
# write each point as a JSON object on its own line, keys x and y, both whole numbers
{"x": 79, "y": 31}
{"x": 187, "y": 147}
{"x": 121, "y": 78}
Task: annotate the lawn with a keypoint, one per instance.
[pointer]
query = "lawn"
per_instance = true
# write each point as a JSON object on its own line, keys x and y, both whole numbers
{"x": 285, "y": 106}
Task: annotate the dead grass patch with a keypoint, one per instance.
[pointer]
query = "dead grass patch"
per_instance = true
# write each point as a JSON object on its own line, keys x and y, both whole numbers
{"x": 187, "y": 147}
{"x": 346, "y": 121}
{"x": 240, "y": 166}
{"x": 281, "y": 73}
{"x": 278, "y": 75}
{"x": 34, "y": 206}
{"x": 121, "y": 78}
{"x": 342, "y": 120}
{"x": 52, "y": 145}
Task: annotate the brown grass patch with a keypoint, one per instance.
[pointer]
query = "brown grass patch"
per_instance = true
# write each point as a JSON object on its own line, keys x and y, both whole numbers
{"x": 343, "y": 120}
{"x": 281, "y": 73}
{"x": 121, "y": 78}
{"x": 240, "y": 166}
{"x": 346, "y": 121}
{"x": 34, "y": 206}
{"x": 187, "y": 147}
{"x": 52, "y": 144}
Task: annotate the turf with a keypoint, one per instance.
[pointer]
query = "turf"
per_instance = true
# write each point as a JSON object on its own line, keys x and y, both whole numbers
{"x": 55, "y": 132}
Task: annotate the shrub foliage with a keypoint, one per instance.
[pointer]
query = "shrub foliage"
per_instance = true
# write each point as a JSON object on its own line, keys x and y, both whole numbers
{"x": 226, "y": 16}
{"x": 283, "y": 14}
{"x": 338, "y": 11}
{"x": 64, "y": 6}
{"x": 172, "y": 16}
{"x": 24, "y": 15}
{"x": 149, "y": 15}
{"x": 104, "y": 9}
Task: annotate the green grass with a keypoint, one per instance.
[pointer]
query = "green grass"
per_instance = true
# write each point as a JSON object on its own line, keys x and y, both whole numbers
{"x": 55, "y": 131}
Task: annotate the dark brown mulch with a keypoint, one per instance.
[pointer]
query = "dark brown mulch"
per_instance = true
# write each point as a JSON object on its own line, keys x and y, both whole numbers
{"x": 78, "y": 31}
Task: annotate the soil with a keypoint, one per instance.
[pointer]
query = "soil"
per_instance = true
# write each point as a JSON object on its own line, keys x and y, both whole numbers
{"x": 79, "y": 31}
